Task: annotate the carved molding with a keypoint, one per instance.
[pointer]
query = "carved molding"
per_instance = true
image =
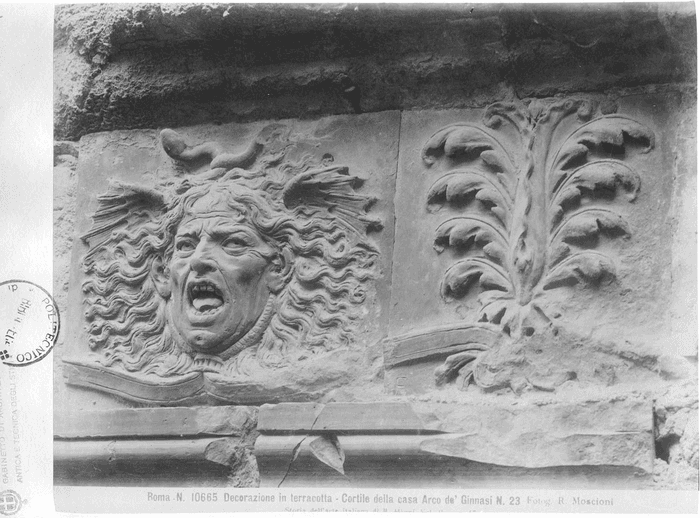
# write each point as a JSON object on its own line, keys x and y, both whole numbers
{"x": 608, "y": 441}
{"x": 336, "y": 443}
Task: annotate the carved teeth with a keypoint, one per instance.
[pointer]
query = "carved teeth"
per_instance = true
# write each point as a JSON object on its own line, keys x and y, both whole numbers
{"x": 204, "y": 289}
{"x": 205, "y": 297}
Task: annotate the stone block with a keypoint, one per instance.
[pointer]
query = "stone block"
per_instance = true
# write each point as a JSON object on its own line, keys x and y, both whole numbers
{"x": 606, "y": 433}
{"x": 584, "y": 444}
{"x": 540, "y": 265}
{"x": 156, "y": 422}
{"x": 328, "y": 282}
{"x": 208, "y": 462}
{"x": 339, "y": 417}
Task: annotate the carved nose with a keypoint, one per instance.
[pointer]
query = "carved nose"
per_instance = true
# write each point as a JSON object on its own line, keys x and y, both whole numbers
{"x": 201, "y": 261}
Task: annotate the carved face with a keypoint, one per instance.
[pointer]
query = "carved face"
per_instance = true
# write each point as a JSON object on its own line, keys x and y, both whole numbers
{"x": 228, "y": 269}
{"x": 219, "y": 278}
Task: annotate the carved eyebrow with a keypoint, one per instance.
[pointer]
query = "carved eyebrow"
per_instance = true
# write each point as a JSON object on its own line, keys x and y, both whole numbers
{"x": 227, "y": 231}
{"x": 191, "y": 234}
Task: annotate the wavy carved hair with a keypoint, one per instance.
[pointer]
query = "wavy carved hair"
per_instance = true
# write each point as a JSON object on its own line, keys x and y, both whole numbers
{"x": 315, "y": 311}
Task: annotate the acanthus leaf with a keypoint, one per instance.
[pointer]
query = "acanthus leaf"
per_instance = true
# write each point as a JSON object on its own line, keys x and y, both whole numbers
{"x": 493, "y": 199}
{"x": 587, "y": 224}
{"x": 592, "y": 179}
{"x": 463, "y": 232}
{"x": 586, "y": 267}
{"x": 495, "y": 252}
{"x": 611, "y": 131}
{"x": 572, "y": 154}
{"x": 462, "y": 140}
{"x": 457, "y": 185}
{"x": 559, "y": 252}
{"x": 465, "y": 273}
{"x": 501, "y": 167}
{"x": 493, "y": 312}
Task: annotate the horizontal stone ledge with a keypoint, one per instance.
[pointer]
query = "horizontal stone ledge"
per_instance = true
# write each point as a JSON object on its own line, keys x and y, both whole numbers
{"x": 145, "y": 451}
{"x": 346, "y": 417}
{"x": 586, "y": 416}
{"x": 156, "y": 422}
{"x": 405, "y": 461}
{"x": 299, "y": 446}
{"x": 633, "y": 450}
{"x": 585, "y": 433}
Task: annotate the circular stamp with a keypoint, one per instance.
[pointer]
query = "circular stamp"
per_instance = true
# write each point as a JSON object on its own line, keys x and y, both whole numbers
{"x": 10, "y": 502}
{"x": 29, "y": 323}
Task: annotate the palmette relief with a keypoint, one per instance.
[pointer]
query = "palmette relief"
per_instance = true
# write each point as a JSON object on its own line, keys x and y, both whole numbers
{"x": 529, "y": 197}
{"x": 259, "y": 261}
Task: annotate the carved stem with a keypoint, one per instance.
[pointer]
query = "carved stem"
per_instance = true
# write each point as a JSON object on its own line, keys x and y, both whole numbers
{"x": 530, "y": 214}
{"x": 526, "y": 231}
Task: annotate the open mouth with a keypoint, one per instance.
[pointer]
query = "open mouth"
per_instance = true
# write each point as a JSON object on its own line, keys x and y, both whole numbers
{"x": 205, "y": 297}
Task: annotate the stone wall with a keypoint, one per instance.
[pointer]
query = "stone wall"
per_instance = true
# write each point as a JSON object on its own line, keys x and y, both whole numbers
{"x": 388, "y": 92}
{"x": 127, "y": 67}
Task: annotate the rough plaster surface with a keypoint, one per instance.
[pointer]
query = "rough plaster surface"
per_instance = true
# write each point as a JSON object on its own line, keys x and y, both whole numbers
{"x": 127, "y": 67}
{"x": 121, "y": 67}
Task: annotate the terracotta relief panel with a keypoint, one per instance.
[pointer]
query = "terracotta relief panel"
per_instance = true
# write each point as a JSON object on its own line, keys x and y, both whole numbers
{"x": 532, "y": 246}
{"x": 525, "y": 246}
{"x": 235, "y": 264}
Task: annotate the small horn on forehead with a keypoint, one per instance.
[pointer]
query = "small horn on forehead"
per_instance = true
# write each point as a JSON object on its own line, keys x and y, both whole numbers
{"x": 333, "y": 189}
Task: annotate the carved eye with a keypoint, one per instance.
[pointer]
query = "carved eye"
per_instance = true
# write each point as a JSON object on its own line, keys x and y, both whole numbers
{"x": 236, "y": 244}
{"x": 185, "y": 245}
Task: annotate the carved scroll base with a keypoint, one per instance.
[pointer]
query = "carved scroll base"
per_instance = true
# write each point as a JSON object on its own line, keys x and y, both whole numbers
{"x": 604, "y": 444}
{"x": 296, "y": 382}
